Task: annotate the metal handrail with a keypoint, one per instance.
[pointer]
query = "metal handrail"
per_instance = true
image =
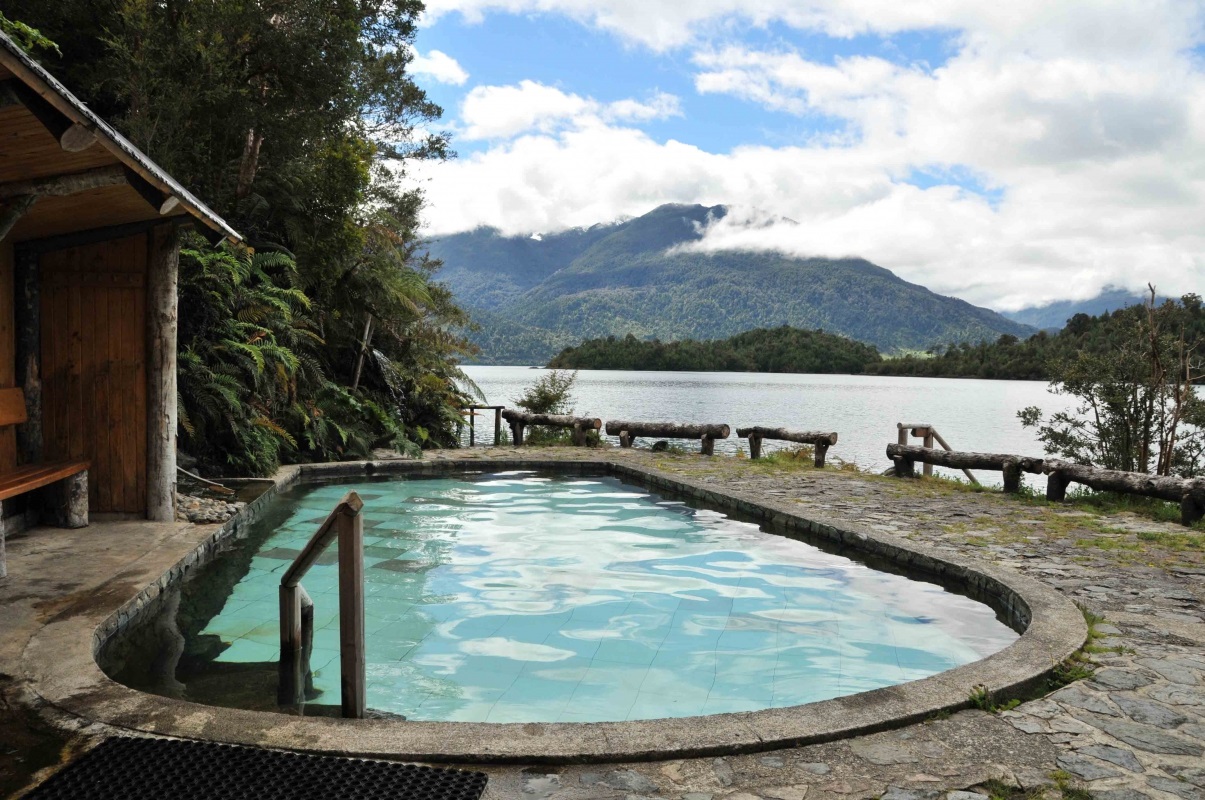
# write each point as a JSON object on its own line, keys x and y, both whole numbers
{"x": 297, "y": 611}
{"x": 925, "y": 431}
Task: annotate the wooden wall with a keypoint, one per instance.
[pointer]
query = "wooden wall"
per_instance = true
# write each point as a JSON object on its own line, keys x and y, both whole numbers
{"x": 94, "y": 367}
{"x": 8, "y": 358}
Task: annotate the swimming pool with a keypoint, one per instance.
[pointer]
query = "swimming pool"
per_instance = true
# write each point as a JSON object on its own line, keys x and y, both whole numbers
{"x": 523, "y": 597}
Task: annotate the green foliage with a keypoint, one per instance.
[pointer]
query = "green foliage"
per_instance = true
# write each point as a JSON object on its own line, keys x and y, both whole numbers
{"x": 292, "y": 119}
{"x": 252, "y": 388}
{"x": 640, "y": 277}
{"x": 551, "y": 394}
{"x": 29, "y": 39}
{"x": 781, "y": 349}
{"x": 1137, "y": 409}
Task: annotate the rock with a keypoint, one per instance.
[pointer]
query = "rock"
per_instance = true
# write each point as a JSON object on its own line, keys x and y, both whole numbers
{"x": 882, "y": 753}
{"x": 772, "y": 761}
{"x": 1178, "y": 695}
{"x": 1087, "y": 768}
{"x": 627, "y": 780}
{"x": 1148, "y": 711}
{"x": 786, "y": 792}
{"x": 1178, "y": 788}
{"x": 696, "y": 796}
{"x": 897, "y": 793}
{"x": 1144, "y": 737}
{"x": 1078, "y": 698}
{"x": 966, "y": 796}
{"x": 1120, "y": 794}
{"x": 1118, "y": 679}
{"x": 1170, "y": 669}
{"x": 723, "y": 772}
{"x": 816, "y": 768}
{"x": 1114, "y": 755}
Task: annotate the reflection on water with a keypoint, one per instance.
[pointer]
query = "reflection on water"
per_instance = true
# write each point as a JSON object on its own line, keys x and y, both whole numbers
{"x": 972, "y": 415}
{"x": 518, "y": 597}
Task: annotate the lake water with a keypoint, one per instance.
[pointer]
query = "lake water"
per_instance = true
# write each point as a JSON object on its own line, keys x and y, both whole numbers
{"x": 972, "y": 415}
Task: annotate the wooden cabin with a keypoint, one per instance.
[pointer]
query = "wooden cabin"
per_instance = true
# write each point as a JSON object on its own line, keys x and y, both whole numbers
{"x": 89, "y": 251}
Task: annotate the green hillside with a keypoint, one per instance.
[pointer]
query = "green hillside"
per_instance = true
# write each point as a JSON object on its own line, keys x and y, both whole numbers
{"x": 635, "y": 277}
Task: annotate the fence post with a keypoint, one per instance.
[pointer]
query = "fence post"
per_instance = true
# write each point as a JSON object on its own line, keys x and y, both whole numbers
{"x": 352, "y": 676}
{"x": 754, "y": 447}
{"x": 497, "y": 426}
{"x": 929, "y": 444}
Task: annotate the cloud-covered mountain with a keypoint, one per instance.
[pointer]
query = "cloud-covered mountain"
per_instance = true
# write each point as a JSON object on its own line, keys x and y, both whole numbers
{"x": 642, "y": 277}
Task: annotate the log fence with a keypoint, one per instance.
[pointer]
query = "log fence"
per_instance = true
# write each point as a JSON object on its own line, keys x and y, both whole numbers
{"x": 928, "y": 434}
{"x": 518, "y": 420}
{"x": 706, "y": 434}
{"x": 1188, "y": 492}
{"x": 471, "y": 413}
{"x": 820, "y": 441}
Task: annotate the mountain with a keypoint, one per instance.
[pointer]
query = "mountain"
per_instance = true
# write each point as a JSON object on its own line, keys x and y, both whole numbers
{"x": 636, "y": 277}
{"x": 1055, "y": 315}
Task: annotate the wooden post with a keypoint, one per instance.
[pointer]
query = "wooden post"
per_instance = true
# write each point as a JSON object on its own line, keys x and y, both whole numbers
{"x": 1012, "y": 476}
{"x": 928, "y": 434}
{"x": 579, "y": 435}
{"x": 472, "y": 427}
{"x": 162, "y": 322}
{"x": 497, "y": 426}
{"x": 821, "y": 451}
{"x": 626, "y": 439}
{"x": 516, "y": 433}
{"x": 352, "y": 676}
{"x": 13, "y": 212}
{"x": 707, "y": 445}
{"x": 27, "y": 283}
{"x": 755, "y": 447}
{"x": 901, "y": 435}
{"x": 1192, "y": 507}
{"x": 904, "y": 467}
{"x": 1056, "y": 486}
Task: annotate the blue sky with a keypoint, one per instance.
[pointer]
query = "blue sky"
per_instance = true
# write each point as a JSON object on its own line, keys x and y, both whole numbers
{"x": 1011, "y": 154}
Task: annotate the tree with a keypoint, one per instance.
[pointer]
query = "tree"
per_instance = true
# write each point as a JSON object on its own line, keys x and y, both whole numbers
{"x": 1138, "y": 409}
{"x": 551, "y": 394}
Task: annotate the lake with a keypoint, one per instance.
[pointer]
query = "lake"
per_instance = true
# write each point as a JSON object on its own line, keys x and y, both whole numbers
{"x": 864, "y": 409}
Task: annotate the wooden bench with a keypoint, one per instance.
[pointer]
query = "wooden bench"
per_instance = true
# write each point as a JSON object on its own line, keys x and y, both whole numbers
{"x": 64, "y": 500}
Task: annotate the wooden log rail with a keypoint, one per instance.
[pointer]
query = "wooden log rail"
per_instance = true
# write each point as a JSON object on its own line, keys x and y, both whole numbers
{"x": 928, "y": 434}
{"x": 1188, "y": 492}
{"x": 821, "y": 442}
{"x": 518, "y": 420}
{"x": 705, "y": 433}
{"x": 297, "y": 611}
{"x": 471, "y": 413}
{"x": 906, "y": 455}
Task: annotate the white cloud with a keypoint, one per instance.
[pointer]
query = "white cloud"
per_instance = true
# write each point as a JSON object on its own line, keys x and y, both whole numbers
{"x": 502, "y": 112}
{"x": 1104, "y": 27}
{"x": 438, "y": 66}
{"x": 1084, "y": 120}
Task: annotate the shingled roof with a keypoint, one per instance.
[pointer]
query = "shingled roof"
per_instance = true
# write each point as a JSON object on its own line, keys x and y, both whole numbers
{"x": 48, "y": 135}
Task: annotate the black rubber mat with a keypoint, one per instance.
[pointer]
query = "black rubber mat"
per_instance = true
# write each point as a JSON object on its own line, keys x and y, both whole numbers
{"x": 125, "y": 768}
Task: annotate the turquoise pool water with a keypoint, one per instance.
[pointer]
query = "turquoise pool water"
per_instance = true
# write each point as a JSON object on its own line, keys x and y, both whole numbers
{"x": 516, "y": 597}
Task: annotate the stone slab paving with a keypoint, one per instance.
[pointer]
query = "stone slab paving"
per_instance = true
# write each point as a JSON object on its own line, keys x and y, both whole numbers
{"x": 1134, "y": 729}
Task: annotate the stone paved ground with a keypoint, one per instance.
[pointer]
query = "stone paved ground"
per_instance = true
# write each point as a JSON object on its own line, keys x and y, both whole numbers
{"x": 1133, "y": 729}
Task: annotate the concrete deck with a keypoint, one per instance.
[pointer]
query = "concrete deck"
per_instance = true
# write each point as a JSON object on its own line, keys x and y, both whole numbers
{"x": 1140, "y": 730}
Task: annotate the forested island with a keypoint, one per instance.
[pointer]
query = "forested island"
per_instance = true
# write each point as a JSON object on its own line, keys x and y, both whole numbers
{"x": 782, "y": 349}
{"x": 787, "y": 349}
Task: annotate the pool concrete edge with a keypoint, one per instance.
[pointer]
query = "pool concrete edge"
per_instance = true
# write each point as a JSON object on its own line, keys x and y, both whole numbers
{"x": 60, "y": 666}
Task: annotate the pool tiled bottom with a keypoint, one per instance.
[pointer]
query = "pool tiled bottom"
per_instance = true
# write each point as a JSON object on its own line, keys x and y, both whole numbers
{"x": 516, "y": 597}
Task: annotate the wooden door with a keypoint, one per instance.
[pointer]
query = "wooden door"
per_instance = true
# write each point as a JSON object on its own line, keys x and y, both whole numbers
{"x": 94, "y": 367}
